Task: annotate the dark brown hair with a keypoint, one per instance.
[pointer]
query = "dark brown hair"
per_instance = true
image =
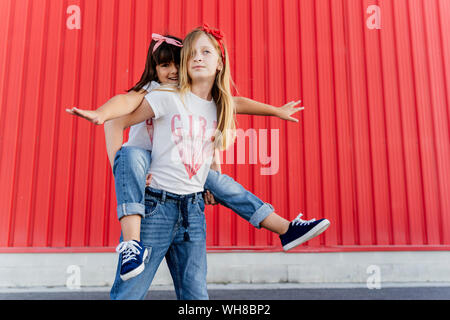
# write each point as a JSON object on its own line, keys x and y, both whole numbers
{"x": 165, "y": 53}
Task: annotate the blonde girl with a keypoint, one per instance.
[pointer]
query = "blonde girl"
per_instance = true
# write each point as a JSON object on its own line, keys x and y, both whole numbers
{"x": 224, "y": 188}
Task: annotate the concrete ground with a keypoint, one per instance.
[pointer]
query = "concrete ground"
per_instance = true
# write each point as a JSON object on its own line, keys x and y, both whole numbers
{"x": 389, "y": 291}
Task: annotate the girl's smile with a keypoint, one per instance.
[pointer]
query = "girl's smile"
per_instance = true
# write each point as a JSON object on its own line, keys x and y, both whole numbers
{"x": 167, "y": 73}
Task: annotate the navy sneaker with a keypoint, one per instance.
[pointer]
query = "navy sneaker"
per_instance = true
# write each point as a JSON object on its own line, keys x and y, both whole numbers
{"x": 133, "y": 257}
{"x": 301, "y": 231}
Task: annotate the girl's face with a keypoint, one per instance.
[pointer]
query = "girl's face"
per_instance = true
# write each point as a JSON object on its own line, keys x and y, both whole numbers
{"x": 167, "y": 73}
{"x": 204, "y": 61}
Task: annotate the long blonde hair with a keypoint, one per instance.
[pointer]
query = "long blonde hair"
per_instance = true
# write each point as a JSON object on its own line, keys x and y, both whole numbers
{"x": 221, "y": 91}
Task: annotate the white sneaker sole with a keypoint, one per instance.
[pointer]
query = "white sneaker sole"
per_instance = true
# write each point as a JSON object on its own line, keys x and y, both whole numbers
{"x": 137, "y": 271}
{"x": 314, "y": 232}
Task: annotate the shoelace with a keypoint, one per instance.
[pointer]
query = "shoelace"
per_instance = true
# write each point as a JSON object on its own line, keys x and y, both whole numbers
{"x": 299, "y": 221}
{"x": 129, "y": 249}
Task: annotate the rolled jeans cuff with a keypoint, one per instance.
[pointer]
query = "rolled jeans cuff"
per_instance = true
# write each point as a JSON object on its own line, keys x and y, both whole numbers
{"x": 261, "y": 214}
{"x": 128, "y": 209}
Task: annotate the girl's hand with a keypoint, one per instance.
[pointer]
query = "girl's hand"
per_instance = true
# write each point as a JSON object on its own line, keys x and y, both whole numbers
{"x": 209, "y": 198}
{"x": 90, "y": 115}
{"x": 148, "y": 179}
{"x": 288, "y": 109}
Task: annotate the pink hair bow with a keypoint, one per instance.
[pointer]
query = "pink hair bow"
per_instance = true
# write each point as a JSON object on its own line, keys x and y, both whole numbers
{"x": 160, "y": 39}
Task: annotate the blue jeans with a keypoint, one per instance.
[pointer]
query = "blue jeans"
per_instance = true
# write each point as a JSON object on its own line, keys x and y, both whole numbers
{"x": 174, "y": 227}
{"x": 130, "y": 169}
{"x": 232, "y": 195}
{"x": 163, "y": 223}
{"x": 131, "y": 165}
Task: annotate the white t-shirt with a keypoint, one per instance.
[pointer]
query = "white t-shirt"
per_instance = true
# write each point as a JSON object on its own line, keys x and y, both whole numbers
{"x": 141, "y": 134}
{"x": 182, "y": 145}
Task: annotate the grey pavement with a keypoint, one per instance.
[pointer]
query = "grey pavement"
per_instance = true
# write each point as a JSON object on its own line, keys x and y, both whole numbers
{"x": 251, "y": 292}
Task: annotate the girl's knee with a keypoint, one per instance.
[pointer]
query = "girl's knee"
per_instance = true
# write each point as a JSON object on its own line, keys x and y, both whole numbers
{"x": 136, "y": 156}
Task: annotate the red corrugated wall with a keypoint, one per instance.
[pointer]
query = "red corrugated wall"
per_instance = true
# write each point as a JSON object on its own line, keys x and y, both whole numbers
{"x": 370, "y": 152}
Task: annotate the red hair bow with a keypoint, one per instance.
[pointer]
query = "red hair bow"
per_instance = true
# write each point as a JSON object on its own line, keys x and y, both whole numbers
{"x": 218, "y": 35}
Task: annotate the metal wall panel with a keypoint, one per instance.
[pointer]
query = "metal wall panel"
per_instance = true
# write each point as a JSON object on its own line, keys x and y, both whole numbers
{"x": 371, "y": 150}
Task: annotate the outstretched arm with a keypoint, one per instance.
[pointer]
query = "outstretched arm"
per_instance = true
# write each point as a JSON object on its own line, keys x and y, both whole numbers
{"x": 248, "y": 106}
{"x": 117, "y": 106}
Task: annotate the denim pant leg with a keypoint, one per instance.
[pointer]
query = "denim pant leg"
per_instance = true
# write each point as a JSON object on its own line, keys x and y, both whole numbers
{"x": 157, "y": 232}
{"x": 187, "y": 259}
{"x": 162, "y": 234}
{"x": 232, "y": 195}
{"x": 137, "y": 288}
{"x": 131, "y": 165}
